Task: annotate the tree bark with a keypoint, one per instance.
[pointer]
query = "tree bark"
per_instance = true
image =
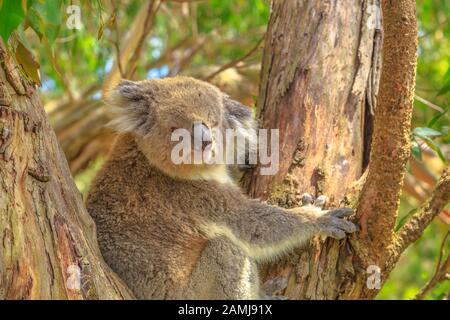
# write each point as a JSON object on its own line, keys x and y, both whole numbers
{"x": 319, "y": 85}
{"x": 48, "y": 246}
{"x": 319, "y": 81}
{"x": 380, "y": 196}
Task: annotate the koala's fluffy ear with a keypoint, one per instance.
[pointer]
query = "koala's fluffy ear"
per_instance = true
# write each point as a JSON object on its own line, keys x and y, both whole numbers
{"x": 237, "y": 115}
{"x": 240, "y": 118}
{"x": 131, "y": 104}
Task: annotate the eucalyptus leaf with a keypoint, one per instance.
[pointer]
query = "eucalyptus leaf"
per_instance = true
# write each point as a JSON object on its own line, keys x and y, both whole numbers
{"x": 436, "y": 118}
{"x": 434, "y": 146}
{"x": 416, "y": 151}
{"x": 444, "y": 89}
{"x": 427, "y": 132}
{"x": 26, "y": 59}
{"x": 11, "y": 16}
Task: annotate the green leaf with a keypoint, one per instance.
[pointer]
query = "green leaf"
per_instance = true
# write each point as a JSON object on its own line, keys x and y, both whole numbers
{"x": 444, "y": 89}
{"x": 416, "y": 150}
{"x": 53, "y": 11}
{"x": 445, "y": 130}
{"x": 26, "y": 59}
{"x": 447, "y": 74}
{"x": 433, "y": 146}
{"x": 52, "y": 15}
{"x": 36, "y": 22}
{"x": 100, "y": 31}
{"x": 11, "y": 16}
{"x": 427, "y": 132}
{"x": 436, "y": 118}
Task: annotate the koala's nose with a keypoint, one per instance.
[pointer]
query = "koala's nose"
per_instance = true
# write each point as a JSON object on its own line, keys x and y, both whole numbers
{"x": 202, "y": 136}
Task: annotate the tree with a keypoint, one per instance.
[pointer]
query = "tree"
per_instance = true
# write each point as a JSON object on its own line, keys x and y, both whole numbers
{"x": 319, "y": 86}
{"x": 49, "y": 248}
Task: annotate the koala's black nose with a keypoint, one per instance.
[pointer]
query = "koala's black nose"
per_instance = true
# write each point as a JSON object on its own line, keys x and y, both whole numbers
{"x": 202, "y": 136}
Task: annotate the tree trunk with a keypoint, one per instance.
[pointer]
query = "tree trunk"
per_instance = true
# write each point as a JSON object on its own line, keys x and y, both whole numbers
{"x": 319, "y": 84}
{"x": 48, "y": 248}
{"x": 319, "y": 81}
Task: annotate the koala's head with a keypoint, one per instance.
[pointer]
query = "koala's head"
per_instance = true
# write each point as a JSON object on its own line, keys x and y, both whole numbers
{"x": 152, "y": 110}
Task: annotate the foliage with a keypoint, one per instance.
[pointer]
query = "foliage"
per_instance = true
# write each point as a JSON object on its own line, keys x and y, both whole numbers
{"x": 418, "y": 263}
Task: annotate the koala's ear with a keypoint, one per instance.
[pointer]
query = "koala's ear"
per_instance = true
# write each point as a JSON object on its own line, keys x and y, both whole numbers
{"x": 131, "y": 105}
{"x": 237, "y": 115}
{"x": 240, "y": 118}
{"x": 129, "y": 90}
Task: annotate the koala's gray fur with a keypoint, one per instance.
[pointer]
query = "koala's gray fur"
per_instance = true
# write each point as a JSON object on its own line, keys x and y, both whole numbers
{"x": 186, "y": 231}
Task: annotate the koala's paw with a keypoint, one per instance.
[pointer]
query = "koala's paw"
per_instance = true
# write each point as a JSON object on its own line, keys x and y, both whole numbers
{"x": 331, "y": 223}
{"x": 274, "y": 286}
{"x": 319, "y": 202}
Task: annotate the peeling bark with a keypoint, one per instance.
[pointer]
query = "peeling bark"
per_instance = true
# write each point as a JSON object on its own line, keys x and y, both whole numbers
{"x": 48, "y": 246}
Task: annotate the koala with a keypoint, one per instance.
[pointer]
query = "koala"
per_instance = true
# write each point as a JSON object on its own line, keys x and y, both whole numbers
{"x": 187, "y": 231}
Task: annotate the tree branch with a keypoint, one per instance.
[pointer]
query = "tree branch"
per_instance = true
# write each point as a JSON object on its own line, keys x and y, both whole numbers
{"x": 132, "y": 44}
{"x": 390, "y": 149}
{"x": 414, "y": 227}
{"x": 440, "y": 274}
{"x": 116, "y": 41}
{"x": 151, "y": 12}
{"x": 429, "y": 104}
{"x": 233, "y": 63}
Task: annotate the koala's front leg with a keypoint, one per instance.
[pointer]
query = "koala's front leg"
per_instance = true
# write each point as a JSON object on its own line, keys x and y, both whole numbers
{"x": 329, "y": 222}
{"x": 265, "y": 232}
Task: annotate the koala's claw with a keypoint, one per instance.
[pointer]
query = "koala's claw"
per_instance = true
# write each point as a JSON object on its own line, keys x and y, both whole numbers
{"x": 307, "y": 199}
{"x": 275, "y": 285}
{"x": 330, "y": 222}
{"x": 336, "y": 228}
{"x": 332, "y": 225}
{"x": 320, "y": 201}
{"x": 334, "y": 233}
{"x": 340, "y": 212}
